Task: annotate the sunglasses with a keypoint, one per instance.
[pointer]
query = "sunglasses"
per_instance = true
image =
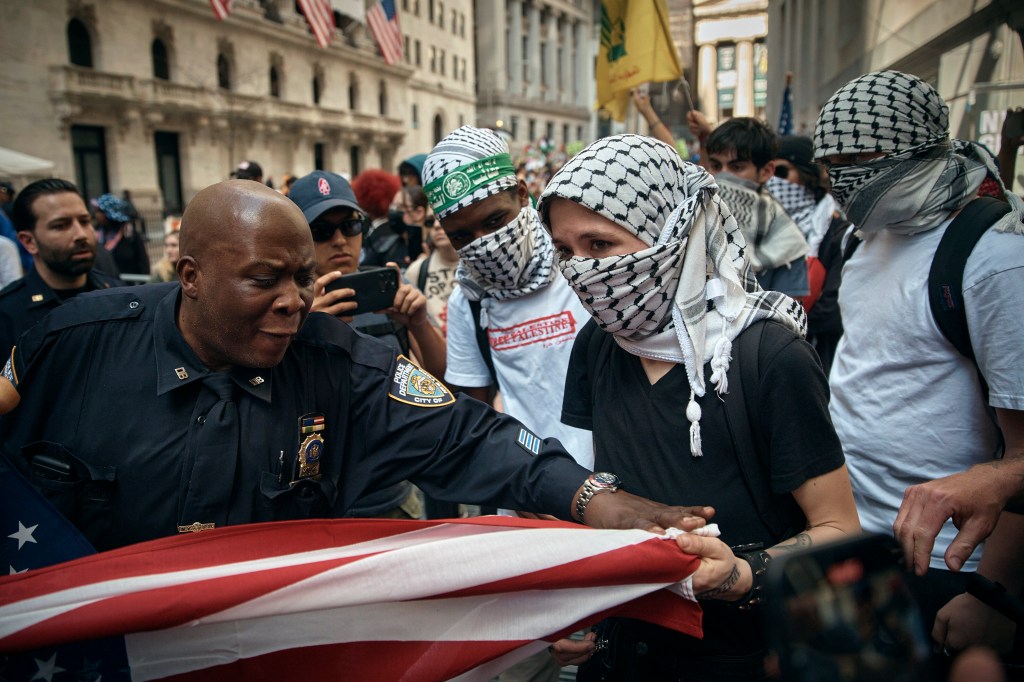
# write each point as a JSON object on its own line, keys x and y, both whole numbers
{"x": 429, "y": 221}
{"x": 324, "y": 231}
{"x": 782, "y": 171}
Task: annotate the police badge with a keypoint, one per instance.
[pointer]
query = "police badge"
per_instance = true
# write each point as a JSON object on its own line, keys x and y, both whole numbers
{"x": 307, "y": 463}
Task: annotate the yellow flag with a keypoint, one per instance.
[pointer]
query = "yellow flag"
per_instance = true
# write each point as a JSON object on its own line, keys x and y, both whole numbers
{"x": 636, "y": 47}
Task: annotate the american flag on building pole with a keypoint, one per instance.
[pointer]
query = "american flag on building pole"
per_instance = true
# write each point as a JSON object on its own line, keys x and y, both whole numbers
{"x": 786, "y": 116}
{"x": 221, "y": 8}
{"x": 348, "y": 599}
{"x": 320, "y": 17}
{"x": 382, "y": 18}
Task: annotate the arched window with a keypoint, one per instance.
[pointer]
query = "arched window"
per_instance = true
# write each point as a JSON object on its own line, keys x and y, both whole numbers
{"x": 353, "y": 92}
{"x": 223, "y": 72}
{"x": 382, "y": 104}
{"x": 161, "y": 62}
{"x": 438, "y": 128}
{"x": 275, "y": 83}
{"x": 79, "y": 44}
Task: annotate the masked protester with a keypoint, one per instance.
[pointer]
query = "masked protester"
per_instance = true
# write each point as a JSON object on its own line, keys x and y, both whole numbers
{"x": 907, "y": 406}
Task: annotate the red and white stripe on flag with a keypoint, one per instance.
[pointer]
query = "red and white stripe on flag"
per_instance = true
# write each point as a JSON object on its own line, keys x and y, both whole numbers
{"x": 382, "y": 18}
{"x": 350, "y": 599}
{"x": 320, "y": 17}
{"x": 221, "y": 8}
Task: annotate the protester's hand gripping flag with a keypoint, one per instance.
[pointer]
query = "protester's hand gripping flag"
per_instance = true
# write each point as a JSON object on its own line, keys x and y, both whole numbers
{"x": 636, "y": 47}
{"x": 350, "y": 599}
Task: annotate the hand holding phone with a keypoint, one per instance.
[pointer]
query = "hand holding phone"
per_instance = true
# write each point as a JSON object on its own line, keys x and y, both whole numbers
{"x": 374, "y": 289}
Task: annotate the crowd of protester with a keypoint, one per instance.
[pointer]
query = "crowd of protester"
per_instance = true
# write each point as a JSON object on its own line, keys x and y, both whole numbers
{"x": 637, "y": 307}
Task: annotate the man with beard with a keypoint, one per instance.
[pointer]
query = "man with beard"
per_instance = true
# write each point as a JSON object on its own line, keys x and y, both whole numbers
{"x": 54, "y": 225}
{"x": 920, "y": 421}
{"x": 512, "y": 320}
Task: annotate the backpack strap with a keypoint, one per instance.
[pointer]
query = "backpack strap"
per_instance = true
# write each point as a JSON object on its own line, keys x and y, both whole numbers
{"x": 751, "y": 453}
{"x": 421, "y": 281}
{"x": 482, "y": 341}
{"x": 946, "y": 276}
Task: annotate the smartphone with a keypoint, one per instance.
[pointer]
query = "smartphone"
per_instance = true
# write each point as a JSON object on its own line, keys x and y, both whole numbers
{"x": 844, "y": 612}
{"x": 375, "y": 289}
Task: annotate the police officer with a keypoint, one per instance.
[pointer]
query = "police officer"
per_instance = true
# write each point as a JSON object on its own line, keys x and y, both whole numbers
{"x": 224, "y": 404}
{"x": 54, "y": 225}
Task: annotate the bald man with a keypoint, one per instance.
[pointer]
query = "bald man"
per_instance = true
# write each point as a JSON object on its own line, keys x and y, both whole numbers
{"x": 224, "y": 404}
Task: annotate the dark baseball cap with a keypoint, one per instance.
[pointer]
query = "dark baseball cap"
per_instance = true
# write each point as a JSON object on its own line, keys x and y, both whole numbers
{"x": 798, "y": 150}
{"x": 248, "y": 170}
{"x": 321, "y": 191}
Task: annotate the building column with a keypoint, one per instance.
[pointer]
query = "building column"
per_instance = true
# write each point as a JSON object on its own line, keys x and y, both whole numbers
{"x": 744, "y": 104}
{"x": 492, "y": 65}
{"x": 533, "y": 52}
{"x": 565, "y": 93}
{"x": 707, "y": 81}
{"x": 581, "y": 76}
{"x": 515, "y": 47}
{"x": 551, "y": 58}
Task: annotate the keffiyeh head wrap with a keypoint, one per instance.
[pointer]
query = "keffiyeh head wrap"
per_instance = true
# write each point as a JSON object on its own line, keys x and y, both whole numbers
{"x": 923, "y": 177}
{"x": 468, "y": 165}
{"x": 655, "y": 301}
{"x": 772, "y": 235}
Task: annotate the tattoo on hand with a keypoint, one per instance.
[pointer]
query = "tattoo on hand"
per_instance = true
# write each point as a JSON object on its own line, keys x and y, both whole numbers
{"x": 724, "y": 587}
{"x": 798, "y": 541}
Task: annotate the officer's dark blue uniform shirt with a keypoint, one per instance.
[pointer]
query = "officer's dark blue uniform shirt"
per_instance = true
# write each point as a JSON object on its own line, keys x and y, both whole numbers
{"x": 25, "y": 301}
{"x": 113, "y": 406}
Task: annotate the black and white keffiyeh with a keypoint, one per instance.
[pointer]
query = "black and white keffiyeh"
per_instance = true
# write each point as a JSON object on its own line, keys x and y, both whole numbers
{"x": 511, "y": 262}
{"x": 459, "y": 148}
{"x": 775, "y": 238}
{"x": 923, "y": 177}
{"x": 655, "y": 302}
{"x": 812, "y": 217}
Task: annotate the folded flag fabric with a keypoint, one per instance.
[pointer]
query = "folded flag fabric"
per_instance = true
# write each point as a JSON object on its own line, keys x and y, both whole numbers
{"x": 350, "y": 599}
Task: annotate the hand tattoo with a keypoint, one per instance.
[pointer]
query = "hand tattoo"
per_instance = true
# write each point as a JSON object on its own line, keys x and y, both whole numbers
{"x": 724, "y": 587}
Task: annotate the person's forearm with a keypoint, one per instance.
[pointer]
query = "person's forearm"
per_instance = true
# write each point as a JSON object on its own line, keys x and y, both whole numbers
{"x": 1004, "y": 553}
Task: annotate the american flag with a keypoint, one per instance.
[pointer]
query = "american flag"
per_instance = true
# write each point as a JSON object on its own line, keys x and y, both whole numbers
{"x": 786, "y": 116}
{"x": 321, "y": 19}
{"x": 382, "y": 18}
{"x": 221, "y": 8}
{"x": 350, "y": 599}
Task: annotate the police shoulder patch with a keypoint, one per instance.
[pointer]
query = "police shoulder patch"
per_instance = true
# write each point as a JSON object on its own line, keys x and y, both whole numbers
{"x": 413, "y": 386}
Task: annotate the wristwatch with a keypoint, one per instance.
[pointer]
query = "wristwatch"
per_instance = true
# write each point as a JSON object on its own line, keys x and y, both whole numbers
{"x": 595, "y": 483}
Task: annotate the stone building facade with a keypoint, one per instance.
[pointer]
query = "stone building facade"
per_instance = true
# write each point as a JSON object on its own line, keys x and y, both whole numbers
{"x": 732, "y": 57}
{"x": 535, "y": 68}
{"x": 159, "y": 98}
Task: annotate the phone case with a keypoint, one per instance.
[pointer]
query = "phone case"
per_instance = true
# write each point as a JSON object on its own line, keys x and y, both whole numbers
{"x": 375, "y": 289}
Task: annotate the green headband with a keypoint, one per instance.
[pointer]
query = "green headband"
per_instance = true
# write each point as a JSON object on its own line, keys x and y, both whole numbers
{"x": 448, "y": 189}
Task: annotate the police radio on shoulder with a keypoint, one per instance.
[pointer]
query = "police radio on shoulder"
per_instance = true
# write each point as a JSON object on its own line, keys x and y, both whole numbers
{"x": 596, "y": 483}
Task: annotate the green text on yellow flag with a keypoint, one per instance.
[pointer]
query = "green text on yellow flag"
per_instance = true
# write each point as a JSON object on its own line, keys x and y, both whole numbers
{"x": 636, "y": 47}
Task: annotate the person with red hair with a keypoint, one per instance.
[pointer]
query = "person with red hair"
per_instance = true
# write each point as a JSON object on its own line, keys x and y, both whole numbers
{"x": 386, "y": 240}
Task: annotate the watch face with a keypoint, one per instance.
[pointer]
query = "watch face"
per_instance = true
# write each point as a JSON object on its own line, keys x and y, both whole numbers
{"x": 606, "y": 480}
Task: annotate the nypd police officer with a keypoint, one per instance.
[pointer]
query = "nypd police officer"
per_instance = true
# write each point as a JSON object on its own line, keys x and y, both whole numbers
{"x": 223, "y": 404}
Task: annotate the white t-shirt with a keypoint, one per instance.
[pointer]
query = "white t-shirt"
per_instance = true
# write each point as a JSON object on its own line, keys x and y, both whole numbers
{"x": 907, "y": 406}
{"x": 531, "y": 339}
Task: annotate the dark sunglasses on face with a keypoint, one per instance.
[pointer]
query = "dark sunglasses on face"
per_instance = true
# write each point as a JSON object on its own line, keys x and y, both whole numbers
{"x": 324, "y": 231}
{"x": 782, "y": 171}
{"x": 429, "y": 221}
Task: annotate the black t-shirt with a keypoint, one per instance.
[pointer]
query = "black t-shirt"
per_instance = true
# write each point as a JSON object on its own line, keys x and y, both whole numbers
{"x": 641, "y": 434}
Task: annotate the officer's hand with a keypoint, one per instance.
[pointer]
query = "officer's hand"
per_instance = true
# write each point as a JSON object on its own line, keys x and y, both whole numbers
{"x": 623, "y": 510}
{"x": 335, "y": 302}
{"x": 573, "y": 652}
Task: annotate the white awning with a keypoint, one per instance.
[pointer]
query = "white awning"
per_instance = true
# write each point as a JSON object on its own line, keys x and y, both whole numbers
{"x": 13, "y": 164}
